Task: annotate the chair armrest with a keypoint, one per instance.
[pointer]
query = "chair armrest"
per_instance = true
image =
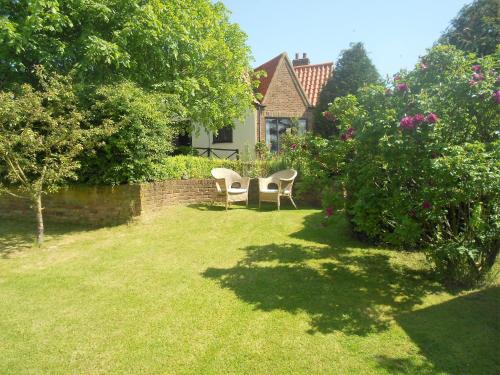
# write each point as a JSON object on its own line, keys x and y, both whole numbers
{"x": 220, "y": 184}
{"x": 285, "y": 183}
{"x": 245, "y": 182}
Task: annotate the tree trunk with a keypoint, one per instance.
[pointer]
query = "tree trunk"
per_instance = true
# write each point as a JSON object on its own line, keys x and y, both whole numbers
{"x": 39, "y": 220}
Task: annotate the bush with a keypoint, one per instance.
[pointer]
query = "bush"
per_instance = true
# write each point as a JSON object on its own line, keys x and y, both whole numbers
{"x": 185, "y": 166}
{"x": 144, "y": 131}
{"x": 416, "y": 163}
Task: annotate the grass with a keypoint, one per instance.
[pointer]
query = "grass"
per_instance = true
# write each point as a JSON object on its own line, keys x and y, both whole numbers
{"x": 200, "y": 290}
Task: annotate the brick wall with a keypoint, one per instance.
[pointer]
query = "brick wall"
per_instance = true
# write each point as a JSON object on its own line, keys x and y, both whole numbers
{"x": 158, "y": 195}
{"x": 93, "y": 205}
{"x": 106, "y": 205}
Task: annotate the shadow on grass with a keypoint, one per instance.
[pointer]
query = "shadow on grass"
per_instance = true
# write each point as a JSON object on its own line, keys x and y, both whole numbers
{"x": 339, "y": 287}
{"x": 17, "y": 236}
{"x": 460, "y": 336}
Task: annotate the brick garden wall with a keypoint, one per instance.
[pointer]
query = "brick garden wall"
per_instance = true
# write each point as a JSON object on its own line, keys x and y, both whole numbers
{"x": 106, "y": 205}
{"x": 94, "y": 205}
{"x": 158, "y": 195}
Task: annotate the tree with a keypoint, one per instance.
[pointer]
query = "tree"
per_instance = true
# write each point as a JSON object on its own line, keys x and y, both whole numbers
{"x": 354, "y": 69}
{"x": 476, "y": 28}
{"x": 183, "y": 47}
{"x": 41, "y": 135}
{"x": 144, "y": 129}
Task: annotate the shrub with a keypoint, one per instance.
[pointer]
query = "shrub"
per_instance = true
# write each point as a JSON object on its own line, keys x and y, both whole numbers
{"x": 416, "y": 163}
{"x": 143, "y": 137}
{"x": 424, "y": 165}
{"x": 185, "y": 166}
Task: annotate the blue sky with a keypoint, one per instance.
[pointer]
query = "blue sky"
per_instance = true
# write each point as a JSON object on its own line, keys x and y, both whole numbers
{"x": 395, "y": 32}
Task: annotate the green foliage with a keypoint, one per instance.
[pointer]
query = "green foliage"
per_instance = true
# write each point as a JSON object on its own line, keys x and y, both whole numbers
{"x": 186, "y": 150}
{"x": 417, "y": 162}
{"x": 353, "y": 70}
{"x": 183, "y": 47}
{"x": 476, "y": 28}
{"x": 184, "y": 166}
{"x": 262, "y": 151}
{"x": 41, "y": 135}
{"x": 143, "y": 133}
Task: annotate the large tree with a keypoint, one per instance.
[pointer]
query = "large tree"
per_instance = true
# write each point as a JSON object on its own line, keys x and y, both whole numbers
{"x": 476, "y": 28}
{"x": 353, "y": 70}
{"x": 183, "y": 47}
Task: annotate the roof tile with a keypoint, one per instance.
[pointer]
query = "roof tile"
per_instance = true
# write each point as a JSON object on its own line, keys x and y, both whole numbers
{"x": 270, "y": 68}
{"x": 313, "y": 78}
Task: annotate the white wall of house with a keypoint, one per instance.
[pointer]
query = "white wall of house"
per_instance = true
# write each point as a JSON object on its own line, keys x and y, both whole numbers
{"x": 244, "y": 137}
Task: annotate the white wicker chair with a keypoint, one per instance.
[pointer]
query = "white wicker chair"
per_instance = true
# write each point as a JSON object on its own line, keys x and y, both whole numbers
{"x": 225, "y": 179}
{"x": 283, "y": 181}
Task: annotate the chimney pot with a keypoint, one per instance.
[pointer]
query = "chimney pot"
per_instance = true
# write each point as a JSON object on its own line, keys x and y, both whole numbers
{"x": 301, "y": 61}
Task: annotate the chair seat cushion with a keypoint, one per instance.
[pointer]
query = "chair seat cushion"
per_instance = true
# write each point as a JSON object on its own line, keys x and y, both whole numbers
{"x": 236, "y": 190}
{"x": 269, "y": 190}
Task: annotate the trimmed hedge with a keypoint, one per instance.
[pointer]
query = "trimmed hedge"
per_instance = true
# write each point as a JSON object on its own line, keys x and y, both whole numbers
{"x": 186, "y": 166}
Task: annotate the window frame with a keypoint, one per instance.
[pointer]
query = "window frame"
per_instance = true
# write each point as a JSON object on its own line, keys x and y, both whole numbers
{"x": 225, "y": 135}
{"x": 276, "y": 122}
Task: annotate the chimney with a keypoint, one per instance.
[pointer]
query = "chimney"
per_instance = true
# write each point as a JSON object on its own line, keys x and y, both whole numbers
{"x": 303, "y": 61}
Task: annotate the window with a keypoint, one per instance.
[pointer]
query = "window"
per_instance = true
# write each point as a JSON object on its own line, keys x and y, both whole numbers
{"x": 225, "y": 135}
{"x": 275, "y": 127}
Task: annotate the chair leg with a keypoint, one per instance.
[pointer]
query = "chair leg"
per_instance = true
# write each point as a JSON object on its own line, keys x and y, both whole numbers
{"x": 278, "y": 202}
{"x": 294, "y": 205}
{"x": 227, "y": 204}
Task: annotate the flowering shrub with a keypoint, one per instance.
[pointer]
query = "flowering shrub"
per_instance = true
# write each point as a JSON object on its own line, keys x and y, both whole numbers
{"x": 416, "y": 164}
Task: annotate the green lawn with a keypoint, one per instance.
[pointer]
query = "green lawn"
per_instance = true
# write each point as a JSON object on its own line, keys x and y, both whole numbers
{"x": 203, "y": 291}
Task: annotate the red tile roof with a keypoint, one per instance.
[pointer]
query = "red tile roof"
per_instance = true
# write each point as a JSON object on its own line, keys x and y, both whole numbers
{"x": 313, "y": 78}
{"x": 270, "y": 68}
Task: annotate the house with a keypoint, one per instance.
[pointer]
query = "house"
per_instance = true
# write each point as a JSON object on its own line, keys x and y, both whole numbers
{"x": 289, "y": 91}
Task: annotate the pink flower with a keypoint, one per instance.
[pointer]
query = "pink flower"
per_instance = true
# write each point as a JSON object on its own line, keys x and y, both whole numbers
{"x": 476, "y": 68}
{"x": 477, "y": 77}
{"x": 350, "y": 132}
{"x": 472, "y": 82}
{"x": 329, "y": 211}
{"x": 424, "y": 67}
{"x": 496, "y": 96}
{"x": 426, "y": 205}
{"x": 344, "y": 137}
{"x": 388, "y": 92}
{"x": 407, "y": 122}
{"x": 418, "y": 118}
{"x": 402, "y": 87}
{"x": 431, "y": 118}
{"x": 293, "y": 146}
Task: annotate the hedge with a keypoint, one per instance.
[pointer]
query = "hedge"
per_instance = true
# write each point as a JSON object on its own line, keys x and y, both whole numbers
{"x": 186, "y": 166}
